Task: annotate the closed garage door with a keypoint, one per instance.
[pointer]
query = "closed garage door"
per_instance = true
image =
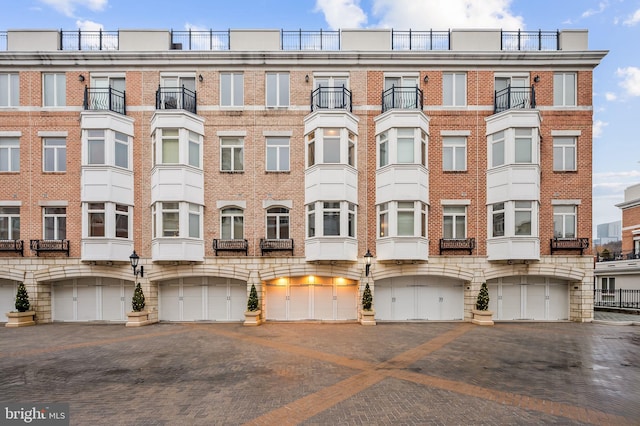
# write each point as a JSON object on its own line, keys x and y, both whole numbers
{"x": 202, "y": 299}
{"x": 418, "y": 298}
{"x": 8, "y": 291}
{"x": 91, "y": 299}
{"x": 326, "y": 301}
{"x": 529, "y": 298}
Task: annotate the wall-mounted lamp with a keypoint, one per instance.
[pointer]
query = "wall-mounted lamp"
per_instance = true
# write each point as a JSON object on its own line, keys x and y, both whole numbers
{"x": 426, "y": 78}
{"x": 81, "y": 78}
{"x": 367, "y": 262}
{"x": 536, "y": 79}
{"x": 306, "y": 78}
{"x": 200, "y": 78}
{"x": 134, "y": 259}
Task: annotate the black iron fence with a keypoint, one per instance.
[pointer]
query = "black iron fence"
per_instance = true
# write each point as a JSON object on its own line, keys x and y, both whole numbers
{"x": 200, "y": 40}
{"x": 89, "y": 40}
{"x": 420, "y": 40}
{"x": 176, "y": 98}
{"x": 620, "y": 298}
{"x": 402, "y": 98}
{"x": 331, "y": 98}
{"x": 607, "y": 256}
{"x": 514, "y": 97}
{"x": 309, "y": 40}
{"x": 104, "y": 99}
{"x": 530, "y": 40}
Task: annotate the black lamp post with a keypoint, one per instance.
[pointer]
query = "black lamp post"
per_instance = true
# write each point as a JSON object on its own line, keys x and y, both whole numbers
{"x": 367, "y": 260}
{"x": 134, "y": 259}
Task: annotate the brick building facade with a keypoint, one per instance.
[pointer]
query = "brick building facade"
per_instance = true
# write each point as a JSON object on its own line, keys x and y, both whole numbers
{"x": 247, "y": 161}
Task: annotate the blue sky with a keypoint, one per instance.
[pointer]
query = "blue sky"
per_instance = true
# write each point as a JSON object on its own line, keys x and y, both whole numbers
{"x": 613, "y": 25}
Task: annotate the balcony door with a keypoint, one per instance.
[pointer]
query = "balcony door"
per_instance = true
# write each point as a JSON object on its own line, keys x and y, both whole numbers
{"x": 172, "y": 96}
{"x": 331, "y": 93}
{"x": 519, "y": 96}
{"x": 403, "y": 94}
{"x": 100, "y": 99}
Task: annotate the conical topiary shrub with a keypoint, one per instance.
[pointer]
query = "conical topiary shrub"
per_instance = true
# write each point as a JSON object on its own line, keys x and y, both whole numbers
{"x": 367, "y": 298}
{"x": 138, "y": 303}
{"x": 22, "y": 299}
{"x": 253, "y": 302}
{"x": 482, "y": 303}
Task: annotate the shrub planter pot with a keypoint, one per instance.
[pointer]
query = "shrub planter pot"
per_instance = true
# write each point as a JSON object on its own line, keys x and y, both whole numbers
{"x": 252, "y": 318}
{"x": 20, "y": 319}
{"x": 138, "y": 319}
{"x": 482, "y": 317}
{"x": 368, "y": 317}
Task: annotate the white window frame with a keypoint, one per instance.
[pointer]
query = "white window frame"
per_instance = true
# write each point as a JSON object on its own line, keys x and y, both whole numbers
{"x": 169, "y": 208}
{"x": 561, "y": 96}
{"x": 451, "y": 81}
{"x": 521, "y": 209}
{"x": 522, "y": 136}
{"x": 10, "y": 216}
{"x": 58, "y": 98}
{"x": 53, "y": 150}
{"x": 388, "y": 219}
{"x": 562, "y": 214}
{"x": 232, "y": 214}
{"x": 498, "y": 145}
{"x": 93, "y": 137}
{"x": 608, "y": 284}
{"x": 383, "y": 149}
{"x": 562, "y": 153}
{"x": 58, "y": 217}
{"x": 9, "y": 90}
{"x": 454, "y": 147}
{"x": 388, "y": 146}
{"x": 96, "y": 210}
{"x": 177, "y": 219}
{"x": 457, "y": 214}
{"x": 383, "y": 220}
{"x": 235, "y": 99}
{"x": 122, "y": 212}
{"x": 278, "y": 150}
{"x": 121, "y": 142}
{"x": 194, "y": 221}
{"x": 498, "y": 217}
{"x": 310, "y": 144}
{"x": 282, "y": 96}
{"x": 278, "y": 223}
{"x": 343, "y": 152}
{"x": 9, "y": 160}
{"x": 236, "y": 147}
{"x": 311, "y": 221}
{"x": 322, "y": 214}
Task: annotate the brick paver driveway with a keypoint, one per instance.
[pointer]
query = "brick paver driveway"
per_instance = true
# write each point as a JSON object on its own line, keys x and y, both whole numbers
{"x": 327, "y": 374}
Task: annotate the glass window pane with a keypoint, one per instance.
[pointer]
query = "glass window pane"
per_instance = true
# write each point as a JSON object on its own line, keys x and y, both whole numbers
{"x": 461, "y": 89}
{"x": 284, "y": 227}
{"x": 331, "y": 223}
{"x": 284, "y": 89}
{"x": 238, "y": 94}
{"x": 194, "y": 225}
{"x": 331, "y": 150}
{"x": 448, "y": 227}
{"x": 122, "y": 226}
{"x": 558, "y": 89}
{"x": 405, "y": 223}
{"x": 447, "y": 158}
{"x": 225, "y": 89}
{"x": 238, "y": 227}
{"x": 272, "y": 89}
{"x": 272, "y": 159}
{"x": 272, "y": 230}
{"x": 570, "y": 89}
{"x": 447, "y": 89}
{"x": 405, "y": 150}
{"x": 523, "y": 222}
{"x": 60, "y": 90}
{"x": 96, "y": 151}
{"x": 497, "y": 154}
{"x": 194, "y": 154}
{"x": 237, "y": 159}
{"x": 170, "y": 151}
{"x": 461, "y": 158}
{"x": 523, "y": 150}
{"x": 122, "y": 155}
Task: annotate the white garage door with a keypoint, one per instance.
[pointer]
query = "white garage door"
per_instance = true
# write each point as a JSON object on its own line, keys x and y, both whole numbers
{"x": 530, "y": 298}
{"x": 202, "y": 299}
{"x": 91, "y": 299}
{"x": 8, "y": 291}
{"x": 329, "y": 302}
{"x": 418, "y": 298}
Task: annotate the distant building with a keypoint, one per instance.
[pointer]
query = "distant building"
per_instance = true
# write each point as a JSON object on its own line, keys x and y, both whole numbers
{"x": 609, "y": 232}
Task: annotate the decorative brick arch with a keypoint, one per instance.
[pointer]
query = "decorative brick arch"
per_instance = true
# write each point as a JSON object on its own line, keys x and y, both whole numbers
{"x": 448, "y": 271}
{"x": 555, "y": 271}
{"x": 310, "y": 269}
{"x": 224, "y": 271}
{"x": 60, "y": 273}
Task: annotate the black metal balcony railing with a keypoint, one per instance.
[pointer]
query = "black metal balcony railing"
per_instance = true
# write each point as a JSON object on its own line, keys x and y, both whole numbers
{"x": 457, "y": 244}
{"x": 89, "y": 40}
{"x": 607, "y": 256}
{"x": 176, "y": 98}
{"x": 514, "y": 97}
{"x": 530, "y": 40}
{"x": 200, "y": 40}
{"x": 271, "y": 245}
{"x": 402, "y": 98}
{"x": 420, "y": 40}
{"x": 569, "y": 244}
{"x": 50, "y": 246}
{"x": 309, "y": 40}
{"x": 629, "y": 299}
{"x": 331, "y": 98}
{"x": 104, "y": 99}
{"x": 16, "y": 246}
{"x": 238, "y": 244}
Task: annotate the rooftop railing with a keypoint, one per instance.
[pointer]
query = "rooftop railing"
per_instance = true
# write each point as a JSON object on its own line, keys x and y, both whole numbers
{"x": 200, "y": 40}
{"x": 530, "y": 40}
{"x": 309, "y": 40}
{"x": 420, "y": 40}
{"x": 89, "y": 40}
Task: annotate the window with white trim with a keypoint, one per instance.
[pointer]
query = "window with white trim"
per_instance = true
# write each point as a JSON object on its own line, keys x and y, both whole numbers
{"x": 194, "y": 149}
{"x": 311, "y": 220}
{"x": 402, "y": 145}
{"x": 383, "y": 220}
{"x": 54, "y": 155}
{"x": 96, "y": 147}
{"x": 9, "y": 154}
{"x": 9, "y": 223}
{"x": 121, "y": 150}
{"x": 232, "y": 223}
{"x": 122, "y": 216}
{"x": 608, "y": 284}
{"x": 564, "y": 153}
{"x": 331, "y": 219}
{"x": 170, "y": 140}
{"x": 454, "y": 153}
{"x": 177, "y": 146}
{"x": 523, "y": 146}
{"x": 523, "y": 216}
{"x": 277, "y": 154}
{"x": 331, "y": 145}
{"x": 277, "y": 89}
{"x": 564, "y": 89}
{"x": 54, "y": 90}
{"x": 311, "y": 149}
{"x": 455, "y": 222}
{"x": 335, "y": 219}
{"x": 170, "y": 212}
{"x": 454, "y": 89}
{"x": 195, "y": 221}
{"x": 232, "y": 154}
{"x": 564, "y": 221}
{"x": 55, "y": 223}
{"x": 278, "y": 223}
{"x": 96, "y": 216}
{"x": 497, "y": 149}
{"x": 402, "y": 219}
{"x": 351, "y": 220}
{"x": 9, "y": 90}
{"x": 383, "y": 149}
{"x": 176, "y": 219}
{"x": 231, "y": 89}
{"x": 497, "y": 220}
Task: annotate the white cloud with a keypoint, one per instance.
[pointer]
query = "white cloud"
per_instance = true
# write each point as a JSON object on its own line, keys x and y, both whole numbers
{"x": 68, "y": 7}
{"x": 342, "y": 13}
{"x": 616, "y": 175}
{"x": 601, "y": 8}
{"x": 633, "y": 19}
{"x": 610, "y": 96}
{"x": 438, "y": 14}
{"x": 630, "y": 80}
{"x": 87, "y": 25}
{"x": 598, "y": 127}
